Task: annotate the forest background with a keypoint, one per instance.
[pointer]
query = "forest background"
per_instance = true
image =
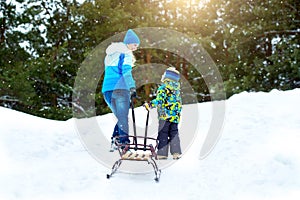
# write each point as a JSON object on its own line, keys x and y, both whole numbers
{"x": 254, "y": 44}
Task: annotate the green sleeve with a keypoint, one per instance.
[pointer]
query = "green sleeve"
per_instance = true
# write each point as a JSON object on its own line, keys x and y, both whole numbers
{"x": 160, "y": 96}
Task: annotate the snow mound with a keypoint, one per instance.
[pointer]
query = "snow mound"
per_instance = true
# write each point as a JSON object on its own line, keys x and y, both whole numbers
{"x": 257, "y": 157}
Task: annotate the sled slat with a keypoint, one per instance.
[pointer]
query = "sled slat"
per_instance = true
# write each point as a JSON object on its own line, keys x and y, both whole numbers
{"x": 126, "y": 155}
{"x": 135, "y": 156}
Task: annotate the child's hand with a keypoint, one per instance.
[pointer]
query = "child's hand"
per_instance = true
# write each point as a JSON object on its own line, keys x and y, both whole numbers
{"x": 147, "y": 106}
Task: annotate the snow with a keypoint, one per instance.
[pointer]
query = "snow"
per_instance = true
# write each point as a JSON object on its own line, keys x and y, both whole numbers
{"x": 257, "y": 157}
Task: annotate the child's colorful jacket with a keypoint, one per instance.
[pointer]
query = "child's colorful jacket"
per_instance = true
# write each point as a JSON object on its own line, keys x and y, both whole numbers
{"x": 168, "y": 101}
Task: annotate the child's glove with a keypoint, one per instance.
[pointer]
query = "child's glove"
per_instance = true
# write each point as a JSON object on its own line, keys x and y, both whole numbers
{"x": 147, "y": 106}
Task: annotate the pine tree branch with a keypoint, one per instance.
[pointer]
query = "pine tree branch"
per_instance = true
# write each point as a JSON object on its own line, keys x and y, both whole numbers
{"x": 281, "y": 32}
{"x": 273, "y": 33}
{"x": 290, "y": 6}
{"x": 8, "y": 99}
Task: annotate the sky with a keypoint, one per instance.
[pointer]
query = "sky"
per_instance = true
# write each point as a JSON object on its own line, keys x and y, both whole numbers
{"x": 257, "y": 156}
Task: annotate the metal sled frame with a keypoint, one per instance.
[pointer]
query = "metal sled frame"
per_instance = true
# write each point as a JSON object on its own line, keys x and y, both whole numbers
{"x": 147, "y": 152}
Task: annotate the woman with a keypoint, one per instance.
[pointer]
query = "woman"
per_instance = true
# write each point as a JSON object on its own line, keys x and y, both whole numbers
{"x": 118, "y": 85}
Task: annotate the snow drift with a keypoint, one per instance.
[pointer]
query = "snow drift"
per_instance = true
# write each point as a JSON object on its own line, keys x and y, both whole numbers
{"x": 257, "y": 157}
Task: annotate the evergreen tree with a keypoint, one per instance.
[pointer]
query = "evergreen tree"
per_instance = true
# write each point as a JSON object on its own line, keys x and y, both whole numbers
{"x": 15, "y": 88}
{"x": 253, "y": 34}
{"x": 255, "y": 45}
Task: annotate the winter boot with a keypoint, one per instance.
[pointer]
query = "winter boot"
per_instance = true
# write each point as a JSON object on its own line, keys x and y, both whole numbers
{"x": 160, "y": 157}
{"x": 113, "y": 145}
{"x": 176, "y": 156}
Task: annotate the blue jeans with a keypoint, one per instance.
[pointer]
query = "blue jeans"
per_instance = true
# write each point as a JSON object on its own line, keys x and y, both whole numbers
{"x": 119, "y": 103}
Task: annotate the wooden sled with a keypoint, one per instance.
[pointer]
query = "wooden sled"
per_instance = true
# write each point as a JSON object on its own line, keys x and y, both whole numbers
{"x": 139, "y": 149}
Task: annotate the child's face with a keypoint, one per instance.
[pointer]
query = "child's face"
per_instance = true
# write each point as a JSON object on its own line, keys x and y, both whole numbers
{"x": 162, "y": 78}
{"x": 132, "y": 47}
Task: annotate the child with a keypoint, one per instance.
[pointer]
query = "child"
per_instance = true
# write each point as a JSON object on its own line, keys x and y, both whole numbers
{"x": 168, "y": 103}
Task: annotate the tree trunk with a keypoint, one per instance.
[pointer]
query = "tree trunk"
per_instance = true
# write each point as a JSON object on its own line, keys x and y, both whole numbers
{"x": 184, "y": 71}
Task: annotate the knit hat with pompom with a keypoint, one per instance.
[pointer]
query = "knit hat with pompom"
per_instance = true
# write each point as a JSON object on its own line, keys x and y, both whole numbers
{"x": 131, "y": 38}
{"x": 171, "y": 74}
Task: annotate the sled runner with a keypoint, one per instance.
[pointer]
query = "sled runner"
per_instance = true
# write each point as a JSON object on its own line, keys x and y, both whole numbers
{"x": 141, "y": 148}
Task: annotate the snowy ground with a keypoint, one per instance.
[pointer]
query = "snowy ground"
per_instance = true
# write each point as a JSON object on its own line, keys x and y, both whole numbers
{"x": 256, "y": 158}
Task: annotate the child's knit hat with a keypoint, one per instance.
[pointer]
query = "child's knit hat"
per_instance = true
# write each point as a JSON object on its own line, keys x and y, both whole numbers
{"x": 131, "y": 38}
{"x": 171, "y": 74}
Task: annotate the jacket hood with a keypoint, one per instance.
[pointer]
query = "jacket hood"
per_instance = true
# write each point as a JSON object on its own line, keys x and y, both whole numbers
{"x": 119, "y": 47}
